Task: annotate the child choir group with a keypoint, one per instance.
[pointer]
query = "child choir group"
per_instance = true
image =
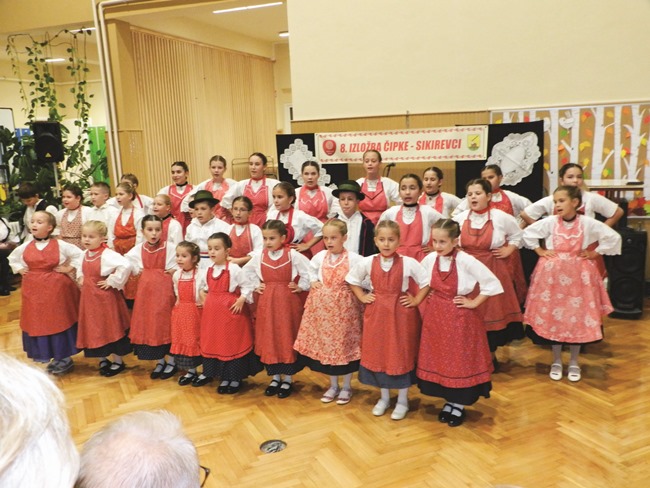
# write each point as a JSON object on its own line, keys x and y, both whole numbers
{"x": 399, "y": 282}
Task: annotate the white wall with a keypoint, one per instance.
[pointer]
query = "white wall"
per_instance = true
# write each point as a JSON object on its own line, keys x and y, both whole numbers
{"x": 355, "y": 58}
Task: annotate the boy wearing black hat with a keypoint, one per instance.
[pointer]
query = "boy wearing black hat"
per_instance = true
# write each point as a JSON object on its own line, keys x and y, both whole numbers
{"x": 204, "y": 224}
{"x": 361, "y": 230}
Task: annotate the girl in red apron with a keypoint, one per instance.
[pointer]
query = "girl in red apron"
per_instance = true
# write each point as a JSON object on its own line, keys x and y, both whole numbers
{"x": 72, "y": 216}
{"x": 443, "y": 203}
{"x": 218, "y": 185}
{"x": 125, "y": 232}
{"x": 454, "y": 357}
{"x": 491, "y": 235}
{"x": 391, "y": 322}
{"x": 177, "y": 193}
{"x": 567, "y": 298}
{"x": 258, "y": 188}
{"x": 380, "y": 192}
{"x": 103, "y": 316}
{"x": 329, "y": 339}
{"x": 143, "y": 202}
{"x": 246, "y": 237}
{"x": 280, "y": 275}
{"x": 50, "y": 299}
{"x": 414, "y": 220}
{"x": 299, "y": 224}
{"x": 172, "y": 230}
{"x": 226, "y": 328}
{"x": 314, "y": 200}
{"x": 150, "y": 332}
{"x": 186, "y": 315}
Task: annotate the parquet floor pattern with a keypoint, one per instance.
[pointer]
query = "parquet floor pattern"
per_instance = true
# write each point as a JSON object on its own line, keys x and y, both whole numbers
{"x": 531, "y": 433}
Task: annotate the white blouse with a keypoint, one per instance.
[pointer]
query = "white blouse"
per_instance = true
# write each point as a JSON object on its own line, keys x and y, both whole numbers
{"x": 505, "y": 227}
{"x": 299, "y": 267}
{"x": 185, "y": 204}
{"x": 316, "y": 263}
{"x": 329, "y": 198}
{"x": 449, "y": 202}
{"x": 360, "y": 274}
{"x": 237, "y": 190}
{"x": 67, "y": 252}
{"x": 238, "y": 279}
{"x": 199, "y": 282}
{"x": 114, "y": 266}
{"x": 470, "y": 271}
{"x": 174, "y": 232}
{"x": 592, "y": 204}
{"x": 301, "y": 222}
{"x": 198, "y": 234}
{"x": 391, "y": 189}
{"x": 135, "y": 258}
{"x": 519, "y": 203}
{"x": 354, "y": 230}
{"x": 141, "y": 202}
{"x": 256, "y": 235}
{"x": 609, "y": 241}
{"x": 428, "y": 215}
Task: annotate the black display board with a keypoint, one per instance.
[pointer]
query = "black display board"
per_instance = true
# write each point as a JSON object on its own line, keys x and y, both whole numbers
{"x": 284, "y": 142}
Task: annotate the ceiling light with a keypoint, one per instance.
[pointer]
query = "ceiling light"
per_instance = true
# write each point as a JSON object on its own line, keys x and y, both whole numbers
{"x": 83, "y": 29}
{"x": 249, "y": 7}
{"x": 283, "y": 34}
{"x": 54, "y": 60}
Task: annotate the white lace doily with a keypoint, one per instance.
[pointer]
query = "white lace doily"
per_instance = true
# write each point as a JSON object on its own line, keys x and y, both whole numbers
{"x": 293, "y": 157}
{"x": 515, "y": 155}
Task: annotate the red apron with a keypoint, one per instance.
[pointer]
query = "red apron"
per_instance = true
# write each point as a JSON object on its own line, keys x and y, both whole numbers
{"x": 390, "y": 331}
{"x": 103, "y": 316}
{"x": 410, "y": 242}
{"x": 224, "y": 335}
{"x": 260, "y": 199}
{"x": 183, "y": 218}
{"x": 375, "y": 202}
{"x": 505, "y": 205}
{"x": 50, "y": 299}
{"x": 438, "y": 204}
{"x": 186, "y": 320}
{"x": 165, "y": 228}
{"x": 278, "y": 312}
{"x": 154, "y": 300}
{"x": 454, "y": 350}
{"x": 71, "y": 231}
{"x": 600, "y": 260}
{"x": 315, "y": 206}
{"x": 123, "y": 242}
{"x": 218, "y": 211}
{"x": 499, "y": 310}
{"x": 241, "y": 245}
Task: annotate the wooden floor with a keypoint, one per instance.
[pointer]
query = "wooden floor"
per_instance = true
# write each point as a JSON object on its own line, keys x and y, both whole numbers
{"x": 531, "y": 433}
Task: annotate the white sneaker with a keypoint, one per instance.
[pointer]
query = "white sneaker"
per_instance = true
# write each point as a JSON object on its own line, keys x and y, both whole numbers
{"x": 380, "y": 409}
{"x": 400, "y": 412}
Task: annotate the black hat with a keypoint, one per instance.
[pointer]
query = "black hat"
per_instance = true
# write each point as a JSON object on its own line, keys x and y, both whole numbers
{"x": 349, "y": 185}
{"x": 203, "y": 196}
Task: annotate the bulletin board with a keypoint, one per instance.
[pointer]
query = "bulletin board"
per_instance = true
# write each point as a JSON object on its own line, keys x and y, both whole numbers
{"x": 608, "y": 141}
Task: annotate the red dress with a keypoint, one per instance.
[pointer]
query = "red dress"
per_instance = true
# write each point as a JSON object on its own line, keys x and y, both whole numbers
{"x": 71, "y": 231}
{"x": 499, "y": 310}
{"x": 224, "y": 335}
{"x": 218, "y": 193}
{"x": 375, "y": 202}
{"x": 242, "y": 244}
{"x": 454, "y": 350}
{"x": 390, "y": 330}
{"x": 186, "y": 320}
{"x": 154, "y": 301}
{"x": 260, "y": 199}
{"x": 410, "y": 242}
{"x": 315, "y": 206}
{"x": 103, "y": 316}
{"x": 177, "y": 198}
{"x": 50, "y": 299}
{"x": 279, "y": 312}
{"x": 123, "y": 242}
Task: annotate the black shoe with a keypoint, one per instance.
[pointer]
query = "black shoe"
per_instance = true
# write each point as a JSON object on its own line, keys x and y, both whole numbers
{"x": 443, "y": 416}
{"x": 455, "y": 420}
{"x": 201, "y": 381}
{"x": 186, "y": 379}
{"x": 113, "y": 370}
{"x": 104, "y": 366}
{"x": 165, "y": 375}
{"x": 222, "y": 389}
{"x": 157, "y": 371}
{"x": 232, "y": 389}
{"x": 285, "y": 392}
{"x": 5, "y": 292}
{"x": 273, "y": 388}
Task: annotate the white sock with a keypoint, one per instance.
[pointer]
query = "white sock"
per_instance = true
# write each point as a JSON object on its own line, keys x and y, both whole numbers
{"x": 557, "y": 353}
{"x": 403, "y": 396}
{"x": 287, "y": 379}
{"x": 224, "y": 383}
{"x": 575, "y": 352}
{"x": 169, "y": 368}
{"x": 334, "y": 382}
{"x": 191, "y": 371}
{"x": 117, "y": 359}
{"x": 347, "y": 381}
{"x": 277, "y": 377}
{"x": 458, "y": 406}
{"x": 171, "y": 360}
{"x": 385, "y": 395}
{"x": 234, "y": 383}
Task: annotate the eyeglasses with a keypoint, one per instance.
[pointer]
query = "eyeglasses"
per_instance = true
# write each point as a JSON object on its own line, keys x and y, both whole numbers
{"x": 206, "y": 474}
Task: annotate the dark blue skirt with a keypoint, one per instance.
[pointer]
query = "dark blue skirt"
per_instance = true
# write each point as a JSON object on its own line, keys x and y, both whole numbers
{"x": 56, "y": 346}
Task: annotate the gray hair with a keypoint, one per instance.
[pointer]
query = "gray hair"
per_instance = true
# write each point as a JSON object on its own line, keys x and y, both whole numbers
{"x": 143, "y": 449}
{"x": 36, "y": 448}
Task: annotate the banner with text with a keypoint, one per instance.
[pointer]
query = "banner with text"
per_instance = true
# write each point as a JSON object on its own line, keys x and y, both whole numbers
{"x": 402, "y": 146}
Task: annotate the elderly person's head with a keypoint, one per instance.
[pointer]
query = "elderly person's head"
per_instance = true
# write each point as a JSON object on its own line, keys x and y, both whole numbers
{"x": 36, "y": 448}
{"x": 143, "y": 449}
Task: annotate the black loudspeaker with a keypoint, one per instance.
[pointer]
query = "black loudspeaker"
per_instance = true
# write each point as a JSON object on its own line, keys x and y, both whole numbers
{"x": 48, "y": 143}
{"x": 627, "y": 275}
